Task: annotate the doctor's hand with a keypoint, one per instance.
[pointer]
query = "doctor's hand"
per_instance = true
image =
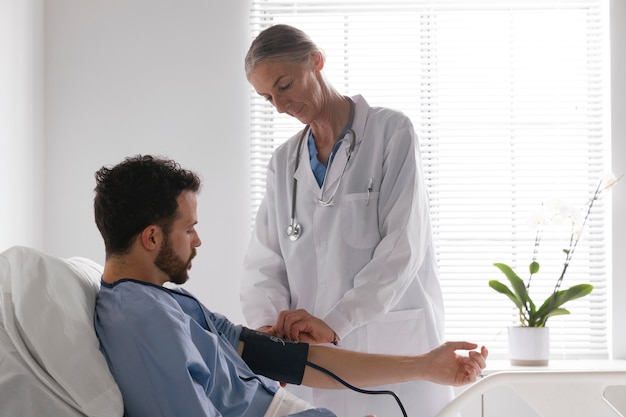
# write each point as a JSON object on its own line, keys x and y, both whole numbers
{"x": 447, "y": 367}
{"x": 301, "y": 326}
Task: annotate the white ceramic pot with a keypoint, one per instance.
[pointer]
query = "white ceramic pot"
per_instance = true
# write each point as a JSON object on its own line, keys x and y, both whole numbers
{"x": 529, "y": 346}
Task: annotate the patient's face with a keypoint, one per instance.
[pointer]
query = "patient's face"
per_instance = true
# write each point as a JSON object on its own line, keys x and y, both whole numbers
{"x": 173, "y": 265}
{"x": 179, "y": 247}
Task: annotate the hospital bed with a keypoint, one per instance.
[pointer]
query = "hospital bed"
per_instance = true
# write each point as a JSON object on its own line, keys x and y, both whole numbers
{"x": 550, "y": 393}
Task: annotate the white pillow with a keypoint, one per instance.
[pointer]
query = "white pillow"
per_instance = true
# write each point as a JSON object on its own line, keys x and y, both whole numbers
{"x": 48, "y": 307}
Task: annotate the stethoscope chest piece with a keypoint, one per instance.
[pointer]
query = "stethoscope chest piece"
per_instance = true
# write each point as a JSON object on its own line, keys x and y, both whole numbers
{"x": 293, "y": 231}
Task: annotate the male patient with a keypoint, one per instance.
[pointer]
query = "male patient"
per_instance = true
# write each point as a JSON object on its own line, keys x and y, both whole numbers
{"x": 171, "y": 356}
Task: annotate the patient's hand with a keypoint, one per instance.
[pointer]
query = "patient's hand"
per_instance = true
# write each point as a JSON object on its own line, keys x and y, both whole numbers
{"x": 448, "y": 367}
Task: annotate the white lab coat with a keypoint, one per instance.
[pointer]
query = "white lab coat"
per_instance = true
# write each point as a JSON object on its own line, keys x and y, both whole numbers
{"x": 365, "y": 265}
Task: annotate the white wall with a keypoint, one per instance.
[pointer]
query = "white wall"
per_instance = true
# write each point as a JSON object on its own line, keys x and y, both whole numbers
{"x": 618, "y": 135}
{"x": 21, "y": 116}
{"x": 151, "y": 77}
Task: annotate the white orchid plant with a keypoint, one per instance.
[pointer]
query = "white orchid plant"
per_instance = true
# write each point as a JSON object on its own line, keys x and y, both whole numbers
{"x": 519, "y": 291}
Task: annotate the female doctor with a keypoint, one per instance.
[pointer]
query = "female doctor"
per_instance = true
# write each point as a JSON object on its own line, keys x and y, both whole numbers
{"x": 342, "y": 247}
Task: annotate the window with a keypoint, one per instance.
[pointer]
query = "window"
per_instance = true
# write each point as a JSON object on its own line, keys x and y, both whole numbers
{"x": 508, "y": 101}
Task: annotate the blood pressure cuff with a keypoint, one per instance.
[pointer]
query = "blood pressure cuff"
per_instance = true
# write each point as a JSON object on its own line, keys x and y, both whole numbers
{"x": 275, "y": 358}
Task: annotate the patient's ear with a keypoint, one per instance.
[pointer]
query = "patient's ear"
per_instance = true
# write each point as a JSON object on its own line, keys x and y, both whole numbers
{"x": 151, "y": 237}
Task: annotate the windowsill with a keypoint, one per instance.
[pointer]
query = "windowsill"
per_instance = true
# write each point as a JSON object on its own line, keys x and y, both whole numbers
{"x": 498, "y": 365}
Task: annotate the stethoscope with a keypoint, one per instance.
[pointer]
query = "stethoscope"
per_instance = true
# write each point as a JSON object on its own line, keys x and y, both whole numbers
{"x": 294, "y": 230}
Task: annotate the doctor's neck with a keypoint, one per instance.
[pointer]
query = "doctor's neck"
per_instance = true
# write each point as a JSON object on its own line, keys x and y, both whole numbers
{"x": 334, "y": 116}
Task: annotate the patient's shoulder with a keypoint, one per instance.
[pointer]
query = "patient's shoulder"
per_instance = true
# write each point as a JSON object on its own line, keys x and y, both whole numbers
{"x": 131, "y": 303}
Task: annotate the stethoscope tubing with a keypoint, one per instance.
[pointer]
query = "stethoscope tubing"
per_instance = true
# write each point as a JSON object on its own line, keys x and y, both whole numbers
{"x": 331, "y": 200}
{"x": 294, "y": 229}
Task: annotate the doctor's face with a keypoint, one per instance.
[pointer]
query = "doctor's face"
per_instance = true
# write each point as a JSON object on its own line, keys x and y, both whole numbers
{"x": 179, "y": 246}
{"x": 292, "y": 88}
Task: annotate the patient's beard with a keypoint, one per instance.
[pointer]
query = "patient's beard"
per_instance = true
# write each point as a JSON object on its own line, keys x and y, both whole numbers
{"x": 172, "y": 264}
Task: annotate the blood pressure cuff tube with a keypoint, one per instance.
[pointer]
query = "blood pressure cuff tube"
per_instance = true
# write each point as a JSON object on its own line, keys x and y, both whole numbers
{"x": 275, "y": 358}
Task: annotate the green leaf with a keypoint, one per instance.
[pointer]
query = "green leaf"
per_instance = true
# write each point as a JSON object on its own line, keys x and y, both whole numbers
{"x": 519, "y": 288}
{"x": 577, "y": 291}
{"x": 533, "y": 267}
{"x": 503, "y": 289}
{"x": 549, "y": 306}
{"x": 572, "y": 293}
{"x": 556, "y": 312}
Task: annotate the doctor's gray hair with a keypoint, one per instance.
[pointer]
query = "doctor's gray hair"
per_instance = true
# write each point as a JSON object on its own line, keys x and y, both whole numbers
{"x": 281, "y": 43}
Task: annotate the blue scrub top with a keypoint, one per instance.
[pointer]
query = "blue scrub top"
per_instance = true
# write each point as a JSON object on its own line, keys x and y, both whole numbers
{"x": 319, "y": 169}
{"x": 171, "y": 356}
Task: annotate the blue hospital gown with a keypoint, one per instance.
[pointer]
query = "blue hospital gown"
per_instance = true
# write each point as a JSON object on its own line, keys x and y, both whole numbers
{"x": 173, "y": 357}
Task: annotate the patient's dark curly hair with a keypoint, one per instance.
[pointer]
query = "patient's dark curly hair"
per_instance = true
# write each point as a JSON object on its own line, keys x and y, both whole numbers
{"x": 138, "y": 192}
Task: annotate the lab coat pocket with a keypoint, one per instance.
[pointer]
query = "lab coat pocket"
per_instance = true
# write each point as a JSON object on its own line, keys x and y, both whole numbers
{"x": 359, "y": 220}
{"x": 399, "y": 333}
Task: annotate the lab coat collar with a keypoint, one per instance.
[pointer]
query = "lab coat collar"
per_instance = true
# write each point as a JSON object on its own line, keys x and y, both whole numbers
{"x": 305, "y": 176}
{"x": 360, "y": 117}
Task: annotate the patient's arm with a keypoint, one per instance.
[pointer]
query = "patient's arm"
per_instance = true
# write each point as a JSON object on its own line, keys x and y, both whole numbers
{"x": 442, "y": 365}
{"x": 289, "y": 361}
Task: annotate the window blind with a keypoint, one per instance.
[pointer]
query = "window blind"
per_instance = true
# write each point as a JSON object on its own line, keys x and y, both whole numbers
{"x": 508, "y": 101}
